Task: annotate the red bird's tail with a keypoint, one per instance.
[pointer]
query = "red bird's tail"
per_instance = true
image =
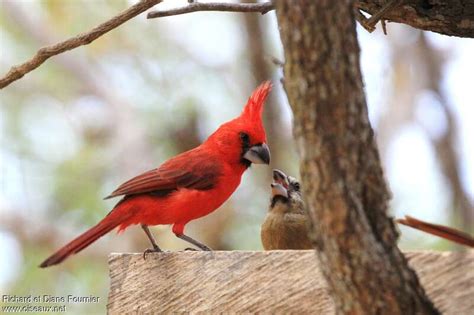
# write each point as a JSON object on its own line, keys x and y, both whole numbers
{"x": 107, "y": 224}
{"x": 438, "y": 230}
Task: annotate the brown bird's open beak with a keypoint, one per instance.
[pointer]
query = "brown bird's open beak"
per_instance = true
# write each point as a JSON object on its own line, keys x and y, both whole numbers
{"x": 279, "y": 190}
{"x": 258, "y": 154}
{"x": 280, "y": 178}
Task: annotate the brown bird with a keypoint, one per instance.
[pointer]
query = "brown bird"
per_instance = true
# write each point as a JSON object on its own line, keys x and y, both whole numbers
{"x": 286, "y": 224}
{"x": 439, "y": 230}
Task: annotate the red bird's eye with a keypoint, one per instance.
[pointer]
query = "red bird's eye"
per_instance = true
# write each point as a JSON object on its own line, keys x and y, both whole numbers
{"x": 244, "y": 137}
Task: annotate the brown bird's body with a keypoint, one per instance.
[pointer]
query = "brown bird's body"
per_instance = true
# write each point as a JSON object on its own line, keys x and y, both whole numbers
{"x": 286, "y": 224}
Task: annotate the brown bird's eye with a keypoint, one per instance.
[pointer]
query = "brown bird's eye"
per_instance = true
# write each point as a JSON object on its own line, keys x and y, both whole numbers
{"x": 297, "y": 186}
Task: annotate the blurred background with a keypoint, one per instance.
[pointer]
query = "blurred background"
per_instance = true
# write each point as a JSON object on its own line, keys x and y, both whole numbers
{"x": 85, "y": 121}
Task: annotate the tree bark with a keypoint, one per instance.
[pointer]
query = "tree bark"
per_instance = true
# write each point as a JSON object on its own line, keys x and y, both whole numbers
{"x": 448, "y": 17}
{"x": 343, "y": 182}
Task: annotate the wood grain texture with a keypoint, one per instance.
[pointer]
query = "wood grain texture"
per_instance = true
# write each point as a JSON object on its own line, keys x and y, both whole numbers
{"x": 274, "y": 282}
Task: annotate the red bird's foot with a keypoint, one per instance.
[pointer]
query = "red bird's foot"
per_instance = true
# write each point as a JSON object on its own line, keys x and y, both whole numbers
{"x": 194, "y": 242}
{"x": 205, "y": 248}
{"x": 191, "y": 249}
{"x": 151, "y": 250}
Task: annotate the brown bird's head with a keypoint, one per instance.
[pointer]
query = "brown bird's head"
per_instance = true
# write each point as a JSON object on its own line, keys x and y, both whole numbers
{"x": 286, "y": 193}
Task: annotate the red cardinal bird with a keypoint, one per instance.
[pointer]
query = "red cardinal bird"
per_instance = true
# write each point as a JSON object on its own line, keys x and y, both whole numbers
{"x": 187, "y": 186}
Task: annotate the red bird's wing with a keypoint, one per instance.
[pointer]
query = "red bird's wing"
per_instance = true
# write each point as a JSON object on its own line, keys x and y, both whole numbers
{"x": 192, "y": 170}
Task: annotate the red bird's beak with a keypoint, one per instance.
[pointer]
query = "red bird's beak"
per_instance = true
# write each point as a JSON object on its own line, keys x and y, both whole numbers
{"x": 258, "y": 154}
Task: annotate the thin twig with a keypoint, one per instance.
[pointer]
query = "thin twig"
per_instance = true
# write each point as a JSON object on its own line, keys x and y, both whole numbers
{"x": 16, "y": 72}
{"x": 226, "y": 7}
{"x": 369, "y": 24}
{"x": 363, "y": 21}
{"x": 391, "y": 4}
{"x": 384, "y": 26}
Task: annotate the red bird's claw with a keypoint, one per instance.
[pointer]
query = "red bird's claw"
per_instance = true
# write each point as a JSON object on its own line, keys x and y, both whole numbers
{"x": 150, "y": 250}
{"x": 205, "y": 248}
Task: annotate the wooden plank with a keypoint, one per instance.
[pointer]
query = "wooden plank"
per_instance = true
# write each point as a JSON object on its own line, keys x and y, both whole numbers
{"x": 264, "y": 282}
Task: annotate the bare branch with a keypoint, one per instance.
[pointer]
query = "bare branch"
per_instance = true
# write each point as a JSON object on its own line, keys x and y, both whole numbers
{"x": 449, "y": 17}
{"x": 385, "y": 9}
{"x": 363, "y": 21}
{"x": 43, "y": 54}
{"x": 369, "y": 24}
{"x": 128, "y": 133}
{"x": 225, "y": 7}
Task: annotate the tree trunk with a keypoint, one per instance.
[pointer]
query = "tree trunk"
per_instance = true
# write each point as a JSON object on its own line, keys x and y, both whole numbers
{"x": 343, "y": 182}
